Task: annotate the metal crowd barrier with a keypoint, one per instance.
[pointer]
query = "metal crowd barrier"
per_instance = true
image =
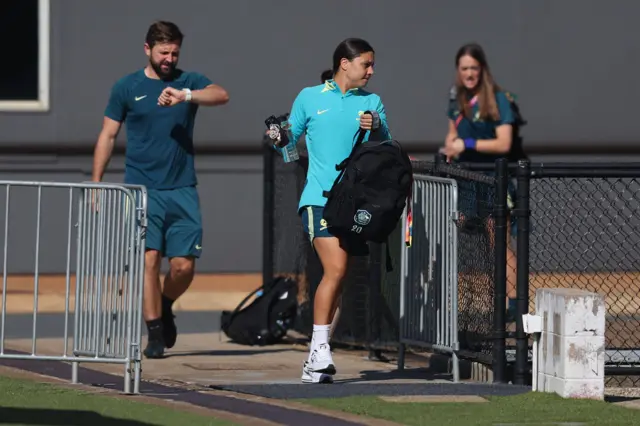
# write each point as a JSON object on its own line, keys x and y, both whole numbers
{"x": 429, "y": 271}
{"x": 110, "y": 224}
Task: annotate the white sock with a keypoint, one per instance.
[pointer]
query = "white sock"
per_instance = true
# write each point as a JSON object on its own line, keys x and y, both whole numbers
{"x": 320, "y": 335}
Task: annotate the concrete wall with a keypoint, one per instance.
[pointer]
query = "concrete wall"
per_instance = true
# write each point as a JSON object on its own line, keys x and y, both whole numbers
{"x": 231, "y": 199}
{"x": 575, "y": 83}
{"x": 592, "y": 226}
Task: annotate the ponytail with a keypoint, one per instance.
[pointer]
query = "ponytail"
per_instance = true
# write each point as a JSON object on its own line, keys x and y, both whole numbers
{"x": 326, "y": 75}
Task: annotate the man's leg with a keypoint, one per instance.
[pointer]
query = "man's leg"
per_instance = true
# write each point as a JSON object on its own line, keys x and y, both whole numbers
{"x": 152, "y": 292}
{"x": 176, "y": 282}
{"x": 184, "y": 245}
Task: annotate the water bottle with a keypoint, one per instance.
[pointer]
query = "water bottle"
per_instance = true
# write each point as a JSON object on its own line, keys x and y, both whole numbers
{"x": 280, "y": 133}
{"x": 289, "y": 151}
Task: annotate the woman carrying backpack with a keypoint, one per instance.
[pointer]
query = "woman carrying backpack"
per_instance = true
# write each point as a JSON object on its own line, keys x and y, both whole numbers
{"x": 330, "y": 115}
{"x": 480, "y": 130}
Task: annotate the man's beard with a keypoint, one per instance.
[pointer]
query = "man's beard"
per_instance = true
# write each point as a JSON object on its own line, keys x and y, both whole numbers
{"x": 157, "y": 67}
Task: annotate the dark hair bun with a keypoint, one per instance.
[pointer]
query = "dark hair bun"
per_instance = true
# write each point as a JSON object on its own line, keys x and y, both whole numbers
{"x": 326, "y": 75}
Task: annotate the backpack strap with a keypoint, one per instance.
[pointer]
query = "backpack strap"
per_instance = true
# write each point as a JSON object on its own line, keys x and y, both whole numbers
{"x": 241, "y": 304}
{"x": 374, "y": 135}
{"x": 360, "y": 134}
{"x": 389, "y": 261}
{"x": 472, "y": 102}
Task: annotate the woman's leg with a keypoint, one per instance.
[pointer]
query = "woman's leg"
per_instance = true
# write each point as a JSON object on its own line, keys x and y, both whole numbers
{"x": 511, "y": 265}
{"x": 334, "y": 263}
{"x": 336, "y": 317}
{"x": 334, "y": 260}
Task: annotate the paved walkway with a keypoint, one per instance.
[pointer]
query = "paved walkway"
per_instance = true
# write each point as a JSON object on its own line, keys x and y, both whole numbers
{"x": 208, "y": 359}
{"x": 204, "y": 370}
{"x": 239, "y": 409}
{"x": 259, "y": 383}
{"x": 202, "y": 366}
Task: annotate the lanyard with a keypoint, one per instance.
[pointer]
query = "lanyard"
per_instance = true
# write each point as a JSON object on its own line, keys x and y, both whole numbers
{"x": 472, "y": 103}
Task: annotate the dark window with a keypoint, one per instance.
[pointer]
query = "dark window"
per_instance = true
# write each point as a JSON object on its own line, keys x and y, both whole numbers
{"x": 19, "y": 67}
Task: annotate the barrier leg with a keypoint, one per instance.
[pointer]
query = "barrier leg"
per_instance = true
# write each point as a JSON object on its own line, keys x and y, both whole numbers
{"x": 74, "y": 373}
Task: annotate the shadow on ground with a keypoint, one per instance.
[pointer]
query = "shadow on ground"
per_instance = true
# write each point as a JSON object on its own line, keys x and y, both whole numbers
{"x": 231, "y": 352}
{"x": 407, "y": 374}
{"x": 37, "y": 416}
{"x": 615, "y": 398}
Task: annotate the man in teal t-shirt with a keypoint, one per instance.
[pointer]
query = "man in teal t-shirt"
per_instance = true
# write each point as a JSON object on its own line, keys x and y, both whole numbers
{"x": 159, "y": 105}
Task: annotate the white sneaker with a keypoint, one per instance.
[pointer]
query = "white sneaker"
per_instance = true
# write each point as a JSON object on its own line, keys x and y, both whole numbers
{"x": 309, "y": 376}
{"x": 321, "y": 360}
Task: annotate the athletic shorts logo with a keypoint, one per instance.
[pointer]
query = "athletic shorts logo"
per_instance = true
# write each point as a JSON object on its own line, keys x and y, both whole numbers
{"x": 362, "y": 217}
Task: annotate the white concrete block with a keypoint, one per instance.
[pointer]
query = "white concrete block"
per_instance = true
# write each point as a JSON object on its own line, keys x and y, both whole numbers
{"x": 583, "y": 311}
{"x": 571, "y": 388}
{"x": 583, "y": 357}
{"x": 572, "y": 357}
{"x": 572, "y": 345}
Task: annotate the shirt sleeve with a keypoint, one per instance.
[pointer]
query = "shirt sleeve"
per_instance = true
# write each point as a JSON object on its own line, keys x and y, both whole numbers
{"x": 384, "y": 125}
{"x": 117, "y": 105}
{"x": 298, "y": 117}
{"x": 199, "y": 81}
{"x": 504, "y": 109}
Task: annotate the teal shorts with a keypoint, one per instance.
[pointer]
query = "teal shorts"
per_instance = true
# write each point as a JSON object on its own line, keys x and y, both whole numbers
{"x": 174, "y": 222}
{"x": 316, "y": 227}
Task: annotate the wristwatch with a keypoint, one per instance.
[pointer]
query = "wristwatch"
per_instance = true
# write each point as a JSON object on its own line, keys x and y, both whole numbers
{"x": 188, "y": 94}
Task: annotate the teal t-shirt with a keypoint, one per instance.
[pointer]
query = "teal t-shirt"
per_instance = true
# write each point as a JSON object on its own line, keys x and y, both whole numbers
{"x": 330, "y": 120}
{"x": 159, "y": 151}
{"x": 479, "y": 129}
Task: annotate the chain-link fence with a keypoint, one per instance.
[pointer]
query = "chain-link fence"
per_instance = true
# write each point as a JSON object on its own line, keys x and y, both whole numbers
{"x": 476, "y": 265}
{"x": 585, "y": 234}
{"x": 476, "y": 257}
{"x": 371, "y": 295}
{"x": 578, "y": 226}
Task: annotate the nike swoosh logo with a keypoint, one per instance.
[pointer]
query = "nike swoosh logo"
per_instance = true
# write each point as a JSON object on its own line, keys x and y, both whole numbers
{"x": 140, "y": 97}
{"x": 323, "y": 111}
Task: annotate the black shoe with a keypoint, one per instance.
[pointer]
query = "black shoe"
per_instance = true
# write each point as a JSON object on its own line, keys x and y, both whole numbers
{"x": 169, "y": 330}
{"x": 154, "y": 349}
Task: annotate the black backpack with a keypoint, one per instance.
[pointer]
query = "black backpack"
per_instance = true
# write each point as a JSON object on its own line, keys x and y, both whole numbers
{"x": 517, "y": 150}
{"x": 370, "y": 193}
{"x": 266, "y": 320}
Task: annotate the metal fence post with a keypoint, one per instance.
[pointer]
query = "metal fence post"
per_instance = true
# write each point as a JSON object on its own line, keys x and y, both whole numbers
{"x": 269, "y": 208}
{"x": 500, "y": 271}
{"x": 438, "y": 160}
{"x": 374, "y": 295}
{"x": 522, "y": 284}
{"x": 429, "y": 271}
